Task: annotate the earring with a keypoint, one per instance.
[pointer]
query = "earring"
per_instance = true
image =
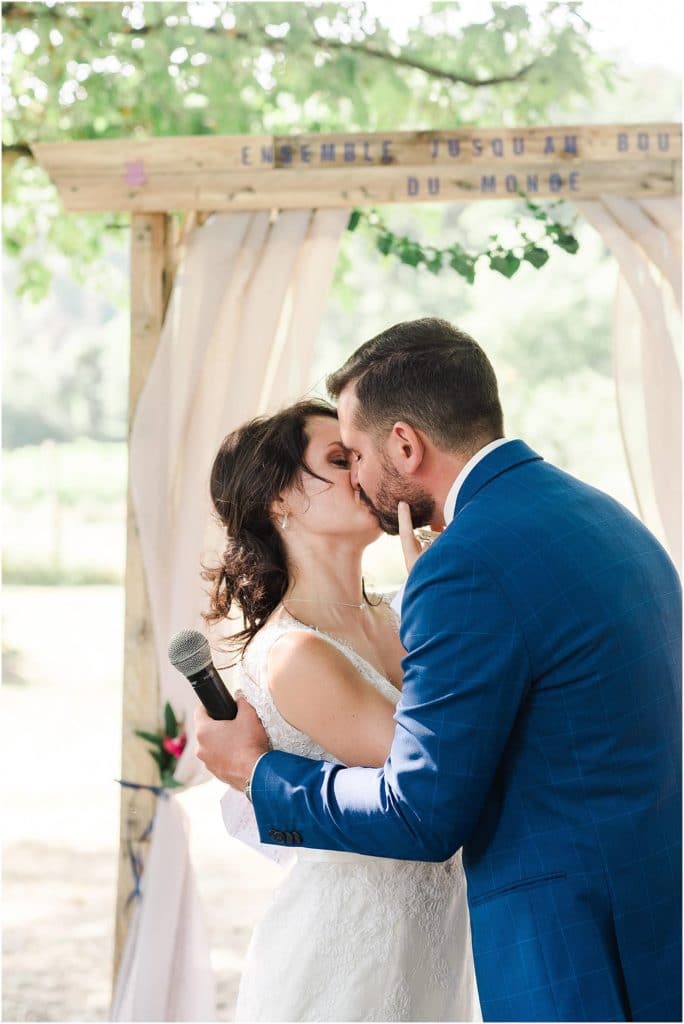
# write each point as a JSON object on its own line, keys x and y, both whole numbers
{"x": 283, "y": 521}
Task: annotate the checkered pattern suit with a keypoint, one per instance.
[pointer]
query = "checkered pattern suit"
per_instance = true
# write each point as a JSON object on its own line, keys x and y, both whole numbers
{"x": 539, "y": 727}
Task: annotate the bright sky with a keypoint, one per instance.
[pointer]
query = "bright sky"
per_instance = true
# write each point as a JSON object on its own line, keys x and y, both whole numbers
{"x": 648, "y": 32}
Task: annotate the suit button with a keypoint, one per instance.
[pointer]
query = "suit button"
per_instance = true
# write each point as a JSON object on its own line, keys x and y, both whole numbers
{"x": 277, "y": 836}
{"x": 297, "y": 838}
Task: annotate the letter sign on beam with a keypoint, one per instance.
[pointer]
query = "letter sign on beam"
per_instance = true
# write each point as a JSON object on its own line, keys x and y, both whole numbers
{"x": 356, "y": 169}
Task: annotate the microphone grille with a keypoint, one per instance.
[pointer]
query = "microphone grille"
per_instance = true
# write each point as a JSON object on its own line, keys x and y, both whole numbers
{"x": 189, "y": 651}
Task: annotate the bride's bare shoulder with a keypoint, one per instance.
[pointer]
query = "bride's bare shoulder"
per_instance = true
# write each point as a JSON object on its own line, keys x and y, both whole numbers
{"x": 299, "y": 653}
{"x": 318, "y": 690}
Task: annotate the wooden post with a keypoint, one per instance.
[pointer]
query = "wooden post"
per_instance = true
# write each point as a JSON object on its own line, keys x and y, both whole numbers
{"x": 140, "y": 683}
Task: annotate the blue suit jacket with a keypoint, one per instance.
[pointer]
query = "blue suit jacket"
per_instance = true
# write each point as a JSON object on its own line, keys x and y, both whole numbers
{"x": 539, "y": 727}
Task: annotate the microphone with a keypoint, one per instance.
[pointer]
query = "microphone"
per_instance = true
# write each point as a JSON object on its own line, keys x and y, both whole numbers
{"x": 189, "y": 653}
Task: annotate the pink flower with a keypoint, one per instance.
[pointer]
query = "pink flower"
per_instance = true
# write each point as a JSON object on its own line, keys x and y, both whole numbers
{"x": 177, "y": 746}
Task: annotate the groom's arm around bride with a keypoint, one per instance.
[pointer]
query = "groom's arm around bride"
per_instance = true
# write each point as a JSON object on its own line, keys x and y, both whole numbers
{"x": 539, "y": 725}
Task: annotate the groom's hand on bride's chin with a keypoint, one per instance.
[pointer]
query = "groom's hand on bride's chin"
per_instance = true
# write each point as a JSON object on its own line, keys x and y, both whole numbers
{"x": 230, "y": 749}
{"x": 410, "y": 544}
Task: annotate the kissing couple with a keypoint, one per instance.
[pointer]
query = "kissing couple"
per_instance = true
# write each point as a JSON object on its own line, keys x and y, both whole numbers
{"x": 482, "y": 793}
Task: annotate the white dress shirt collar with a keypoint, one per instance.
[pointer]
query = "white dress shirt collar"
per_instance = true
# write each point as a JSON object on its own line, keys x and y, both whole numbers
{"x": 452, "y": 496}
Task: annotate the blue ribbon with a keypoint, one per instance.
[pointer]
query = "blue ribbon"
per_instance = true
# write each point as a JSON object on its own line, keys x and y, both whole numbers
{"x": 134, "y": 859}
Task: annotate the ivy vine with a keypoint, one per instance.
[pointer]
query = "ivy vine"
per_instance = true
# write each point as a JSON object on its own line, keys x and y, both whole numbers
{"x": 533, "y": 248}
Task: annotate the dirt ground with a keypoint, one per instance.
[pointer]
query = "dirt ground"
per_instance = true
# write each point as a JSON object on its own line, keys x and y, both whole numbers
{"x": 60, "y": 755}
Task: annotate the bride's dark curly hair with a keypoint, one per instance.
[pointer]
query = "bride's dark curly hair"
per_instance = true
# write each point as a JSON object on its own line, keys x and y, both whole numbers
{"x": 254, "y": 465}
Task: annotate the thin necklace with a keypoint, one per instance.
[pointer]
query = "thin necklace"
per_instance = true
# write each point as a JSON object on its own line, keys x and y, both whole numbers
{"x": 344, "y": 604}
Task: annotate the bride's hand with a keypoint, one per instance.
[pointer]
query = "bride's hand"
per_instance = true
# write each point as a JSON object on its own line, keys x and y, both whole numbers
{"x": 410, "y": 544}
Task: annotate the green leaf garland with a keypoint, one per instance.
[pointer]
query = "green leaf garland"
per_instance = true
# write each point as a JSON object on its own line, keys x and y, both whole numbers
{"x": 503, "y": 259}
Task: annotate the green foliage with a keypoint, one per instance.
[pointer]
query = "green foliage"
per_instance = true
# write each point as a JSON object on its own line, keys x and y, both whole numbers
{"x": 113, "y": 70}
{"x": 535, "y": 255}
{"x": 505, "y": 263}
{"x": 168, "y": 782}
{"x": 165, "y": 761}
{"x": 156, "y": 755}
{"x": 505, "y": 259}
{"x": 170, "y": 722}
{"x": 151, "y": 737}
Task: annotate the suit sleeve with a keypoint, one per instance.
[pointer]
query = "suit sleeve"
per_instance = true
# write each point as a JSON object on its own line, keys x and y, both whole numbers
{"x": 465, "y": 675}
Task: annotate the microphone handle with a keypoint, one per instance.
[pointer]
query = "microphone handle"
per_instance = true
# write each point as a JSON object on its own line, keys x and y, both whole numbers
{"x": 211, "y": 690}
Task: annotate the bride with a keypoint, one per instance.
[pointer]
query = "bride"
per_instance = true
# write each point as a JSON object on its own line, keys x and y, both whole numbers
{"x": 346, "y": 937}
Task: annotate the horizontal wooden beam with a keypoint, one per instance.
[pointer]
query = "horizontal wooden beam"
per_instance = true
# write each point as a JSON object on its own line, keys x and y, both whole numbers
{"x": 358, "y": 187}
{"x": 258, "y": 172}
{"x": 165, "y": 154}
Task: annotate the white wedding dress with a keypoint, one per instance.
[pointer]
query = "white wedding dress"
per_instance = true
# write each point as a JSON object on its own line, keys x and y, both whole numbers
{"x": 350, "y": 937}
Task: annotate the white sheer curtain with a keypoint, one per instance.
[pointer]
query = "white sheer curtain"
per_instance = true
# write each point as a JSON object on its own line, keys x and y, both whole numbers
{"x": 237, "y": 341}
{"x": 644, "y": 235}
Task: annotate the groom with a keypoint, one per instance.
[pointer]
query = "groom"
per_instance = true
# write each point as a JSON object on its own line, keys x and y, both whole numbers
{"x": 539, "y": 722}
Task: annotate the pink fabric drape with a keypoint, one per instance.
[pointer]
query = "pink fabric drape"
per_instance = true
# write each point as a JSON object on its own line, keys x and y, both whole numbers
{"x": 644, "y": 235}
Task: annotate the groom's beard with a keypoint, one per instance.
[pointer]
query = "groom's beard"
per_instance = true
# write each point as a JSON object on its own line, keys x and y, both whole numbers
{"x": 392, "y": 489}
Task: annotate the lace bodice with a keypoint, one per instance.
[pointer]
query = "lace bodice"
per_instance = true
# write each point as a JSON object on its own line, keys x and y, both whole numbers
{"x": 254, "y": 684}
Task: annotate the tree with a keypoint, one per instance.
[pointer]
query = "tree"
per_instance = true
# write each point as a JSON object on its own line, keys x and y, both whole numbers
{"x": 108, "y": 70}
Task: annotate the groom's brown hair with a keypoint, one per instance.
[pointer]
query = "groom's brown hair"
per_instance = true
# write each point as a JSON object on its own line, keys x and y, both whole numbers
{"x": 429, "y": 374}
